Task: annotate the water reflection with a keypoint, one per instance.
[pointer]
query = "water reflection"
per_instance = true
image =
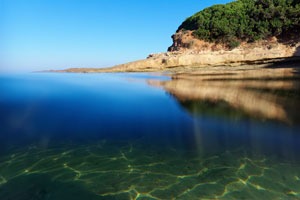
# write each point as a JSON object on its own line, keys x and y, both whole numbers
{"x": 272, "y": 94}
{"x": 112, "y": 136}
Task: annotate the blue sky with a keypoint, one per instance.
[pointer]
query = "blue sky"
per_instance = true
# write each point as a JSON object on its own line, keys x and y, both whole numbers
{"x": 58, "y": 34}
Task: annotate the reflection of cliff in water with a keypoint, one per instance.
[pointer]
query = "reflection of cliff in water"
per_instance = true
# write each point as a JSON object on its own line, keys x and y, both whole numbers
{"x": 261, "y": 93}
{"x": 297, "y": 53}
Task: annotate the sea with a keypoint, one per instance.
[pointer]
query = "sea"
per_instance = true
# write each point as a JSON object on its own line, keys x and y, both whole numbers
{"x": 206, "y": 134}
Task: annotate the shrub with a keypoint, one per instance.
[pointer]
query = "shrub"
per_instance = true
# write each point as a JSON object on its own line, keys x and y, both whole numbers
{"x": 245, "y": 20}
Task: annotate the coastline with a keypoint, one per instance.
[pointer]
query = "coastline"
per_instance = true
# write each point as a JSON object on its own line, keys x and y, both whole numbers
{"x": 141, "y": 66}
{"x": 205, "y": 55}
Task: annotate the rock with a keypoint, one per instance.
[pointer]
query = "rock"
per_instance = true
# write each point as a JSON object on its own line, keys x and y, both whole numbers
{"x": 188, "y": 51}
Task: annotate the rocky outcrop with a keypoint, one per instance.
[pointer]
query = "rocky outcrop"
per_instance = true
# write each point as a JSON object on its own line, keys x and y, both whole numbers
{"x": 192, "y": 52}
{"x": 185, "y": 40}
{"x": 188, "y": 51}
{"x": 200, "y": 53}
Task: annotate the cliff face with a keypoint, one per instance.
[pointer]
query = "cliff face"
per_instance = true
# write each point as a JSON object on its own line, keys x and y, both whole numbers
{"x": 185, "y": 42}
{"x": 188, "y": 51}
{"x": 232, "y": 34}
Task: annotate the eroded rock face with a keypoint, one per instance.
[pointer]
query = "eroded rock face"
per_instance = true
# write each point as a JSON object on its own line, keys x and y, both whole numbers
{"x": 184, "y": 41}
{"x": 190, "y": 51}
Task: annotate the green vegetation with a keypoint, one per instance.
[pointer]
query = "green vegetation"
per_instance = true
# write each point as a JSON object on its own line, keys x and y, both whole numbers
{"x": 246, "y": 20}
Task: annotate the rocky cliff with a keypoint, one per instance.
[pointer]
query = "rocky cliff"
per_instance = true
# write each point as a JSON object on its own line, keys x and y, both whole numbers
{"x": 188, "y": 51}
{"x": 232, "y": 34}
{"x": 192, "y": 53}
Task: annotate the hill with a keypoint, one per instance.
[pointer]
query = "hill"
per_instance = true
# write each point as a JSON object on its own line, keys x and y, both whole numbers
{"x": 245, "y": 21}
{"x": 238, "y": 33}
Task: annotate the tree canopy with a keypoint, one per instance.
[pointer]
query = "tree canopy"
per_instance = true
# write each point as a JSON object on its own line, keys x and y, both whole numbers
{"x": 245, "y": 20}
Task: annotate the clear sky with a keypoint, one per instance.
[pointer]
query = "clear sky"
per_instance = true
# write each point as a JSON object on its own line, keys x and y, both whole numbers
{"x": 58, "y": 34}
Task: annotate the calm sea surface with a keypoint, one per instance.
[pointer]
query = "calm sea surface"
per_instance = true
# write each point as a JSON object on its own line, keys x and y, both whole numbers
{"x": 231, "y": 134}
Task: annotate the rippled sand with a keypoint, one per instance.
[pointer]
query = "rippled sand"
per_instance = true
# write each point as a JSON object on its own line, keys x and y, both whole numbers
{"x": 129, "y": 171}
{"x": 240, "y": 141}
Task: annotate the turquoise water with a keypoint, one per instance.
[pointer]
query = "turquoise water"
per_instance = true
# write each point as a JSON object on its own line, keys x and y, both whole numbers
{"x": 141, "y": 136}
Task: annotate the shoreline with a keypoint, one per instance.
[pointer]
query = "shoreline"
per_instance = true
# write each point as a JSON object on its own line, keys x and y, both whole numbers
{"x": 260, "y": 54}
{"x": 252, "y": 64}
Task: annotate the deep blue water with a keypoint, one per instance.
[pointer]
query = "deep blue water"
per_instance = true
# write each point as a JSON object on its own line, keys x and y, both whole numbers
{"x": 51, "y": 108}
{"x": 117, "y": 118}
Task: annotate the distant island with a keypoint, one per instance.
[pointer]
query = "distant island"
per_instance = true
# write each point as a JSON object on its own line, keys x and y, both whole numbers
{"x": 240, "y": 32}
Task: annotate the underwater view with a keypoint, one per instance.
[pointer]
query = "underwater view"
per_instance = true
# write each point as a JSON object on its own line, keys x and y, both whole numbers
{"x": 207, "y": 134}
